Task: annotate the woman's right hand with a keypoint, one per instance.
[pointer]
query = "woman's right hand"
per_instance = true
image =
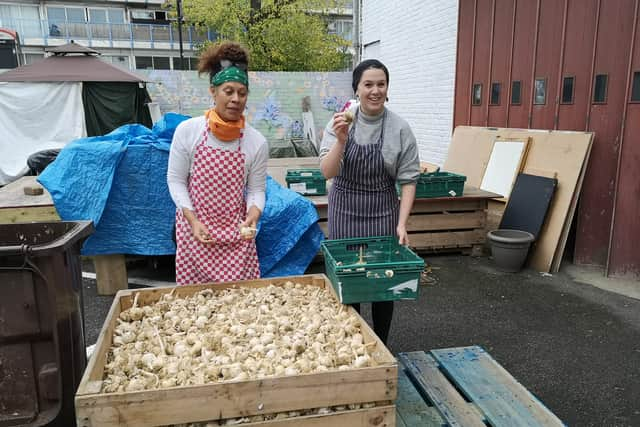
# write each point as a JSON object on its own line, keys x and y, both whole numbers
{"x": 341, "y": 127}
{"x": 201, "y": 233}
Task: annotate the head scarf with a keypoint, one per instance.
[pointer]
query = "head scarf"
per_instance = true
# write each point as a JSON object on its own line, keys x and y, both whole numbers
{"x": 230, "y": 74}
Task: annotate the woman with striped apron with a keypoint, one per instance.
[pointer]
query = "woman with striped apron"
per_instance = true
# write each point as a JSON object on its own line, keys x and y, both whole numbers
{"x": 363, "y": 201}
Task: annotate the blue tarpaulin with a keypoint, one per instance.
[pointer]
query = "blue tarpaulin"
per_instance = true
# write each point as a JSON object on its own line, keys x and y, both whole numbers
{"x": 289, "y": 235}
{"x": 119, "y": 182}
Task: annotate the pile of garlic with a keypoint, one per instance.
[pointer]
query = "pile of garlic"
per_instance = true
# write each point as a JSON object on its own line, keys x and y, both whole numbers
{"x": 231, "y": 335}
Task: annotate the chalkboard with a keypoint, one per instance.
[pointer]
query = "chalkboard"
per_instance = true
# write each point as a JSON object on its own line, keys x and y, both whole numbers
{"x": 529, "y": 202}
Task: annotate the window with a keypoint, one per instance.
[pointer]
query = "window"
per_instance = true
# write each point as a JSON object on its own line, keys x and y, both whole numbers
{"x": 30, "y": 58}
{"x": 98, "y": 16}
{"x": 567, "y": 90}
{"x": 476, "y": 94}
{"x": 161, "y": 63}
{"x": 600, "y": 89}
{"x": 144, "y": 62}
{"x": 60, "y": 15}
{"x": 635, "y": 88}
{"x": 516, "y": 96}
{"x": 142, "y": 14}
{"x": 189, "y": 64}
{"x": 540, "y": 91}
{"x": 116, "y": 16}
{"x": 75, "y": 14}
{"x": 152, "y": 62}
{"x": 495, "y": 94}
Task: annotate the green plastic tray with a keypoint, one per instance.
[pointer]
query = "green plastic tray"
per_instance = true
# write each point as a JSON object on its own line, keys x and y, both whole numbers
{"x": 309, "y": 182}
{"x": 440, "y": 184}
{"x": 390, "y": 271}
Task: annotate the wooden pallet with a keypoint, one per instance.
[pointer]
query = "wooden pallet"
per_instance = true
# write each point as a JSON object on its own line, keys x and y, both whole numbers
{"x": 464, "y": 386}
{"x": 189, "y": 404}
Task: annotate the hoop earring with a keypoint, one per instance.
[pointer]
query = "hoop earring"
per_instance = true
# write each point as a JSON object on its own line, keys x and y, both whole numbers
{"x": 387, "y": 99}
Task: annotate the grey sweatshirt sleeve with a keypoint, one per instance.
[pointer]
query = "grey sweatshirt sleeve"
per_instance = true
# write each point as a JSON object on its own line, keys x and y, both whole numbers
{"x": 409, "y": 158}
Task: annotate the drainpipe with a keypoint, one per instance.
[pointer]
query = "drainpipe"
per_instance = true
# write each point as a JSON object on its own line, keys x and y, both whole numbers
{"x": 357, "y": 36}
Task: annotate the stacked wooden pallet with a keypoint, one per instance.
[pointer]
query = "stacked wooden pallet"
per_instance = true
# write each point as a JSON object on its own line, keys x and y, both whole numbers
{"x": 464, "y": 386}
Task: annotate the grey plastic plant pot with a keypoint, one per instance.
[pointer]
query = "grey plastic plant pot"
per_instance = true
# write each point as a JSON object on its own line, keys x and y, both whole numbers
{"x": 509, "y": 248}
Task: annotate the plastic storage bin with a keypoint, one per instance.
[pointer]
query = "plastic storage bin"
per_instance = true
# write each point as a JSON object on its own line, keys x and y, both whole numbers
{"x": 308, "y": 182}
{"x": 372, "y": 269}
{"x": 42, "y": 348}
{"x": 440, "y": 184}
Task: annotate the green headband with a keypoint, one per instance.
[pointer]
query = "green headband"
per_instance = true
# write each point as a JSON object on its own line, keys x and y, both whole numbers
{"x": 230, "y": 74}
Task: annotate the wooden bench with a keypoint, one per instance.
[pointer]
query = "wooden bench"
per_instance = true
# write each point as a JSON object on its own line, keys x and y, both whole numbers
{"x": 464, "y": 386}
{"x": 17, "y": 206}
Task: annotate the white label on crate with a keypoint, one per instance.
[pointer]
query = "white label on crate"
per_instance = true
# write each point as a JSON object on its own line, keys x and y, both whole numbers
{"x": 409, "y": 284}
{"x": 298, "y": 187}
{"x": 306, "y": 174}
{"x": 312, "y": 191}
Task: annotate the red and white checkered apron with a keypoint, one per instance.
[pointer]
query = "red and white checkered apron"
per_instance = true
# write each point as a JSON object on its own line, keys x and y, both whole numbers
{"x": 216, "y": 189}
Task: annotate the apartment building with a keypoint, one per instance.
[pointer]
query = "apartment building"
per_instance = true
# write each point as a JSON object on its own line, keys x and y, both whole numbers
{"x": 134, "y": 34}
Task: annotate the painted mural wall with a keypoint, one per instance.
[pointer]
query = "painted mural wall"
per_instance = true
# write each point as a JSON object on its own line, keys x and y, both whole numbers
{"x": 275, "y": 98}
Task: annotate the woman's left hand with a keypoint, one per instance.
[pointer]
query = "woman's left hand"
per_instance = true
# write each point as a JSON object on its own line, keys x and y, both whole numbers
{"x": 248, "y": 229}
{"x": 403, "y": 236}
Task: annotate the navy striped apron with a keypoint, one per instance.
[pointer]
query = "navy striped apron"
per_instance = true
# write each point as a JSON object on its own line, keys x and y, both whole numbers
{"x": 363, "y": 201}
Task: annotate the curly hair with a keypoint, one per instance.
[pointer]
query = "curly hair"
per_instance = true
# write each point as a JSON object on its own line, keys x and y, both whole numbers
{"x": 210, "y": 59}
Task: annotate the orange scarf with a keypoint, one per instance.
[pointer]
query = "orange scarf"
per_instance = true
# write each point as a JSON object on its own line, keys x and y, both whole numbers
{"x": 223, "y": 130}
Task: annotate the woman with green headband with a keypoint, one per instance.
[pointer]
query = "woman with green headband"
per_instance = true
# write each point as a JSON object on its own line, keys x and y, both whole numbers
{"x": 216, "y": 176}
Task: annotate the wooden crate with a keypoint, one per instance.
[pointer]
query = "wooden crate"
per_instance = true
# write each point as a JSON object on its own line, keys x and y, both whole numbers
{"x": 439, "y": 224}
{"x": 464, "y": 386}
{"x": 239, "y": 398}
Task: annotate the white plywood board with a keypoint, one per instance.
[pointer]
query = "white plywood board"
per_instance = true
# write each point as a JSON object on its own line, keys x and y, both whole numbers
{"x": 504, "y": 165}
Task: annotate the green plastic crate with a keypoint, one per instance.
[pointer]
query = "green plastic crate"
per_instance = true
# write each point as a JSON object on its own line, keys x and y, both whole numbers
{"x": 440, "y": 184}
{"x": 308, "y": 182}
{"x": 390, "y": 272}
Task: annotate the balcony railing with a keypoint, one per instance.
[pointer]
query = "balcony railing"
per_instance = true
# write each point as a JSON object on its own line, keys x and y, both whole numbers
{"x": 87, "y": 31}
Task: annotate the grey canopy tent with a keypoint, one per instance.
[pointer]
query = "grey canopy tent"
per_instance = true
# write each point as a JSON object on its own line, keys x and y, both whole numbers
{"x": 111, "y": 96}
{"x": 68, "y": 95}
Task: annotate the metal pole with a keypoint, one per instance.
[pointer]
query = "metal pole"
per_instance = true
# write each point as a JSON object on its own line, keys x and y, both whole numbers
{"x": 179, "y": 7}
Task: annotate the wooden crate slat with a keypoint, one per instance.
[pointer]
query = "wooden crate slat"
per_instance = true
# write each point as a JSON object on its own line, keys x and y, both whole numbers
{"x": 423, "y": 369}
{"x": 502, "y": 399}
{"x": 437, "y": 205}
{"x": 448, "y": 239}
{"x": 446, "y": 221}
{"x": 28, "y": 214}
{"x": 411, "y": 409}
{"x": 378, "y": 416}
{"x": 234, "y": 399}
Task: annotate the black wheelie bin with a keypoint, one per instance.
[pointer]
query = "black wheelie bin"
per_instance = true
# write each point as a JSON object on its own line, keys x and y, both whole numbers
{"x": 42, "y": 349}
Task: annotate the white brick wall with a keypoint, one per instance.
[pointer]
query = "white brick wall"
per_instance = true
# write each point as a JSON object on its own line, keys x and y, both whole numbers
{"x": 417, "y": 42}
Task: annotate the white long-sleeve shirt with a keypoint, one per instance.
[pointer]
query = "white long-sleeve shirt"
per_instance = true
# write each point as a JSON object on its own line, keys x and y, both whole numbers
{"x": 186, "y": 138}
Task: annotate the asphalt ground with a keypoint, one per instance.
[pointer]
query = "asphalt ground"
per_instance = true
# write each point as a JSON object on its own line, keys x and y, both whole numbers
{"x": 575, "y": 346}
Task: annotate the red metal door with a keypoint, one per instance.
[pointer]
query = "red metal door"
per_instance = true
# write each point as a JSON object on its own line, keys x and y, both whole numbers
{"x": 524, "y": 40}
{"x": 624, "y": 257}
{"x": 547, "y": 64}
{"x": 481, "y": 57}
{"x": 464, "y": 56}
{"x": 500, "y": 62}
{"x": 578, "y": 61}
{"x": 605, "y": 119}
